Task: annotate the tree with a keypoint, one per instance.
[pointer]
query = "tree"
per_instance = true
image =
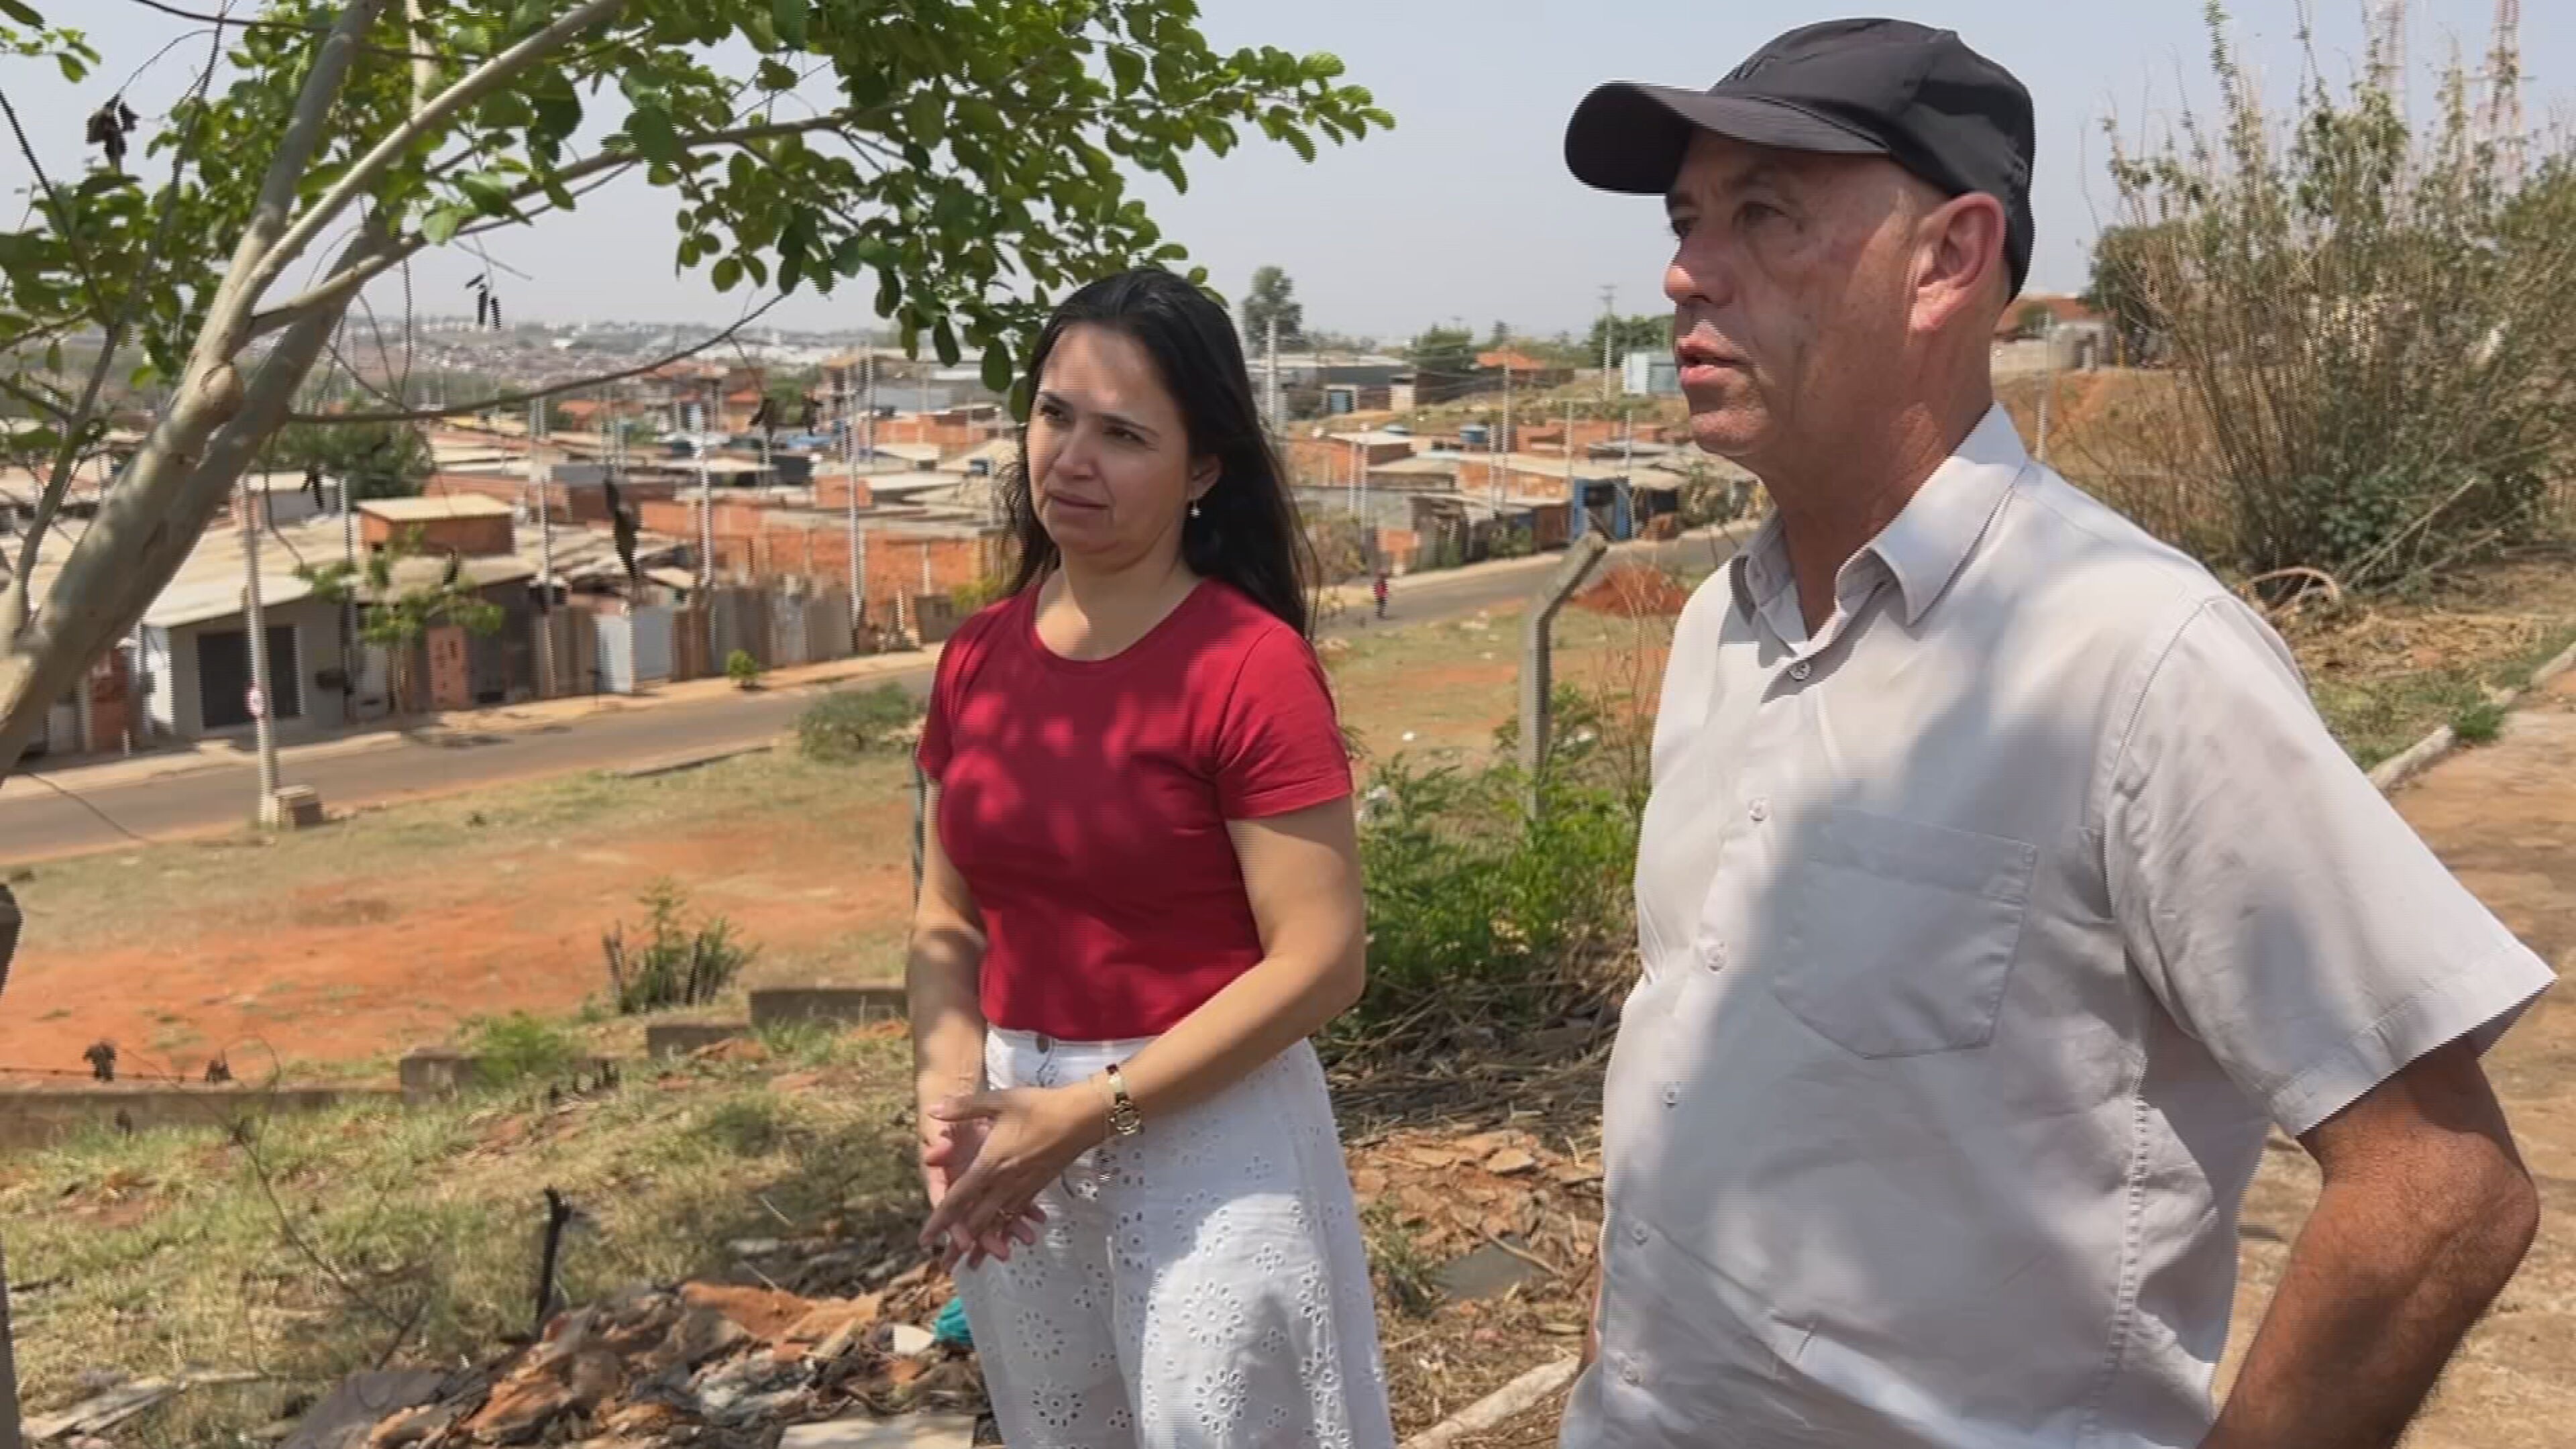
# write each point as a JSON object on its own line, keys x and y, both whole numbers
{"x": 1272, "y": 298}
{"x": 2118, "y": 291}
{"x": 1444, "y": 363}
{"x": 381, "y": 131}
{"x": 374, "y": 460}
{"x": 404, "y": 593}
{"x": 1650, "y": 333}
{"x": 2032, "y": 321}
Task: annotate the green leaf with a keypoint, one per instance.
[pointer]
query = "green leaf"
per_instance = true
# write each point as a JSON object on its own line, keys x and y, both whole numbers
{"x": 439, "y": 227}
{"x": 776, "y": 76}
{"x": 71, "y": 67}
{"x": 997, "y": 367}
{"x": 943, "y": 340}
{"x": 20, "y": 13}
{"x": 728, "y": 271}
{"x": 790, "y": 16}
{"x": 1129, "y": 69}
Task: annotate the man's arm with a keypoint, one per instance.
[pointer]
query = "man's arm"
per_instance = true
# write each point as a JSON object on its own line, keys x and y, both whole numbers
{"x": 2427, "y": 1210}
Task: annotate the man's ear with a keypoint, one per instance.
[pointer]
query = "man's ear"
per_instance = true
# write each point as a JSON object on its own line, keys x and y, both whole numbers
{"x": 1959, "y": 262}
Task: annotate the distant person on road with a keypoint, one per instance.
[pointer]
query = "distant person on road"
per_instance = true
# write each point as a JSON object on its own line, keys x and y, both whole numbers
{"x": 1999, "y": 885}
{"x": 1140, "y": 897}
{"x": 1377, "y": 591}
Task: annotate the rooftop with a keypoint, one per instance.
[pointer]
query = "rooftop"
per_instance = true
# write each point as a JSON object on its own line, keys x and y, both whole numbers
{"x": 431, "y": 510}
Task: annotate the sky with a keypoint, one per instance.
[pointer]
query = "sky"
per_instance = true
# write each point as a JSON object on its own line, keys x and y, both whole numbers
{"x": 1464, "y": 213}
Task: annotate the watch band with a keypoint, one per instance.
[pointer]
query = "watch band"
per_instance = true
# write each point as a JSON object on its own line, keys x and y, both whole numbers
{"x": 1123, "y": 1117}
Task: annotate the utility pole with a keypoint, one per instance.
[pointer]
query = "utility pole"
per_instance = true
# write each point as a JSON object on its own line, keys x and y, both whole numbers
{"x": 1270, "y": 377}
{"x": 260, "y": 706}
{"x": 706, "y": 503}
{"x": 1609, "y": 337}
{"x": 850, "y": 456}
{"x": 1537, "y": 677}
{"x": 543, "y": 477}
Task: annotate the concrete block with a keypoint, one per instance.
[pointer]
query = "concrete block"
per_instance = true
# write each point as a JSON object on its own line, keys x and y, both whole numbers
{"x": 840, "y": 1005}
{"x": 912, "y": 1431}
{"x": 664, "y": 1039}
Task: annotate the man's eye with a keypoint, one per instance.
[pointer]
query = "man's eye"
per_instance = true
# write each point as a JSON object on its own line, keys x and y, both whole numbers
{"x": 1681, "y": 226}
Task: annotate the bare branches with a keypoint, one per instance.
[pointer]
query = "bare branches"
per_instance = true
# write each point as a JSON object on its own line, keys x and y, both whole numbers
{"x": 482, "y": 81}
{"x": 515, "y": 399}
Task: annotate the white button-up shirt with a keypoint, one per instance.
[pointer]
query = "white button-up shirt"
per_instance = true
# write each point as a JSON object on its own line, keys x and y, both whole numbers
{"x": 1984, "y": 932}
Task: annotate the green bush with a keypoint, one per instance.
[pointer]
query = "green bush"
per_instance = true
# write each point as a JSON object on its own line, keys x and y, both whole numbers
{"x": 519, "y": 1048}
{"x": 742, "y": 669}
{"x": 2479, "y": 724}
{"x": 845, "y": 724}
{"x": 1471, "y": 900}
{"x": 676, "y": 965}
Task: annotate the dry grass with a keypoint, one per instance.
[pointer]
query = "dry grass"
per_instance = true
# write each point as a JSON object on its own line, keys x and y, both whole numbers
{"x": 313, "y": 1246}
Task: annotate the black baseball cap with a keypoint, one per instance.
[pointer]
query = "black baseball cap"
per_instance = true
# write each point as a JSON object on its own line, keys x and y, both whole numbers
{"x": 1918, "y": 96}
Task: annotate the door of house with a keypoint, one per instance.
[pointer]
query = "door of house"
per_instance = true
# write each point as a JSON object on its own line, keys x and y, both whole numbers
{"x": 223, "y": 677}
{"x": 451, "y": 677}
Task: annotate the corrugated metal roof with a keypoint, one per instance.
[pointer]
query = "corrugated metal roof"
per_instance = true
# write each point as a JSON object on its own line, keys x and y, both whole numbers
{"x": 206, "y": 600}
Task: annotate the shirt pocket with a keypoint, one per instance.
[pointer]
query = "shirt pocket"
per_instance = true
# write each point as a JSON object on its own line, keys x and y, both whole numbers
{"x": 1901, "y": 935}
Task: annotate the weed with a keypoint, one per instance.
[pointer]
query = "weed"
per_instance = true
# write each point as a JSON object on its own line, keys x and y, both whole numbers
{"x": 1405, "y": 1273}
{"x": 2478, "y": 724}
{"x": 846, "y": 724}
{"x": 742, "y": 669}
{"x": 520, "y": 1048}
{"x": 676, "y": 965}
{"x": 744, "y": 1126}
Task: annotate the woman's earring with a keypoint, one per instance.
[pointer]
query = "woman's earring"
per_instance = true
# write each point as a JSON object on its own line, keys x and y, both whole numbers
{"x": 1194, "y": 508}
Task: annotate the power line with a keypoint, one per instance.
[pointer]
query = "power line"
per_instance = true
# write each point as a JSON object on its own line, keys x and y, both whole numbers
{"x": 76, "y": 798}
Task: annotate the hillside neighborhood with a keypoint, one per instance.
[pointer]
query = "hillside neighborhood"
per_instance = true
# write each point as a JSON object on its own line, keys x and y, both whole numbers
{"x": 503, "y": 750}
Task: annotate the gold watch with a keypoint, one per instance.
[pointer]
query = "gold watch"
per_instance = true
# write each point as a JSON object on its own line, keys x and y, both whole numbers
{"x": 1123, "y": 1118}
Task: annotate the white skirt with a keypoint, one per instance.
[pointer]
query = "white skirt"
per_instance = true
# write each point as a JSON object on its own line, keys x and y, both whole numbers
{"x": 1200, "y": 1285}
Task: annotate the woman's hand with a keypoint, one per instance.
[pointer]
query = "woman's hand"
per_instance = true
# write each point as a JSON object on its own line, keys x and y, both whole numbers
{"x": 1022, "y": 1140}
{"x": 948, "y": 1150}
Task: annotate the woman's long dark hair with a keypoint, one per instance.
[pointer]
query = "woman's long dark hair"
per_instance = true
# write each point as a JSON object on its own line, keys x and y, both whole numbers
{"x": 1246, "y": 530}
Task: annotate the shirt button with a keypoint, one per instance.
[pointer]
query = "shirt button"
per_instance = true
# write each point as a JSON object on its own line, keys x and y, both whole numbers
{"x": 1638, "y": 1235}
{"x": 1672, "y": 1098}
{"x": 1800, "y": 670}
{"x": 1759, "y": 810}
{"x": 1717, "y": 956}
{"x": 1630, "y": 1374}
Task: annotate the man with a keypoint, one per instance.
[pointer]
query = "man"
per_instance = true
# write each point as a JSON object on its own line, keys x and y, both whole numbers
{"x": 1999, "y": 883}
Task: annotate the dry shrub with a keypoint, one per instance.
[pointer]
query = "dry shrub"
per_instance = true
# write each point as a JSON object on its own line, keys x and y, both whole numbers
{"x": 2371, "y": 324}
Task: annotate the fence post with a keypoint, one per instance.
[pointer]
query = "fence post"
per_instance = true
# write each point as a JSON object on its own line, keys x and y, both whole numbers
{"x": 1537, "y": 683}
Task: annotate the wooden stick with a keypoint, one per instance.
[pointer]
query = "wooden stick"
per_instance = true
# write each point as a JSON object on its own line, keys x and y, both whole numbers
{"x": 1500, "y": 1406}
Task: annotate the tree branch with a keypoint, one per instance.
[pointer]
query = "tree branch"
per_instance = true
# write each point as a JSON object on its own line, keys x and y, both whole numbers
{"x": 228, "y": 318}
{"x": 513, "y": 399}
{"x": 77, "y": 422}
{"x": 484, "y": 79}
{"x": 62, "y": 218}
{"x": 42, "y": 400}
{"x": 337, "y": 288}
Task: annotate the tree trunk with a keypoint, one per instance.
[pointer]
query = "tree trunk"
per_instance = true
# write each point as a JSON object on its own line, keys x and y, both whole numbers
{"x": 150, "y": 521}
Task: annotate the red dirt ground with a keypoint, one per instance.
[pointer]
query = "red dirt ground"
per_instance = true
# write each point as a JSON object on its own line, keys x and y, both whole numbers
{"x": 1634, "y": 591}
{"x": 350, "y": 969}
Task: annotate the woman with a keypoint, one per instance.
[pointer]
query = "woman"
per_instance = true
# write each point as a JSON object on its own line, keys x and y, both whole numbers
{"x": 1140, "y": 897}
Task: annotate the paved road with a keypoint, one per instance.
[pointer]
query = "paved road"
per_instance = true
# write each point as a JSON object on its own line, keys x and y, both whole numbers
{"x": 47, "y": 825}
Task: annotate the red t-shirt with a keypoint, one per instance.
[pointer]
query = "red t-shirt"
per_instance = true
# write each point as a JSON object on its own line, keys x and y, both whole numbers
{"x": 1085, "y": 802}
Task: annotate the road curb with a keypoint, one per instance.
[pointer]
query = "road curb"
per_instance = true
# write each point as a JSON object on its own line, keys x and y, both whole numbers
{"x": 2404, "y": 767}
{"x": 697, "y": 759}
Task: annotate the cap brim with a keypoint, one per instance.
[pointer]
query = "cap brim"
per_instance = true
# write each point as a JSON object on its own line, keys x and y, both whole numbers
{"x": 1631, "y": 138}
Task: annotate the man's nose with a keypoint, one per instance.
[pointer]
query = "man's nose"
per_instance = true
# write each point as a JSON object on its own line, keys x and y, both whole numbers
{"x": 1698, "y": 274}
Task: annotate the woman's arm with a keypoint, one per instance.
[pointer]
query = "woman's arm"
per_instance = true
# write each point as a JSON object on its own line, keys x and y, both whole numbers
{"x": 942, "y": 963}
{"x": 1301, "y": 872}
